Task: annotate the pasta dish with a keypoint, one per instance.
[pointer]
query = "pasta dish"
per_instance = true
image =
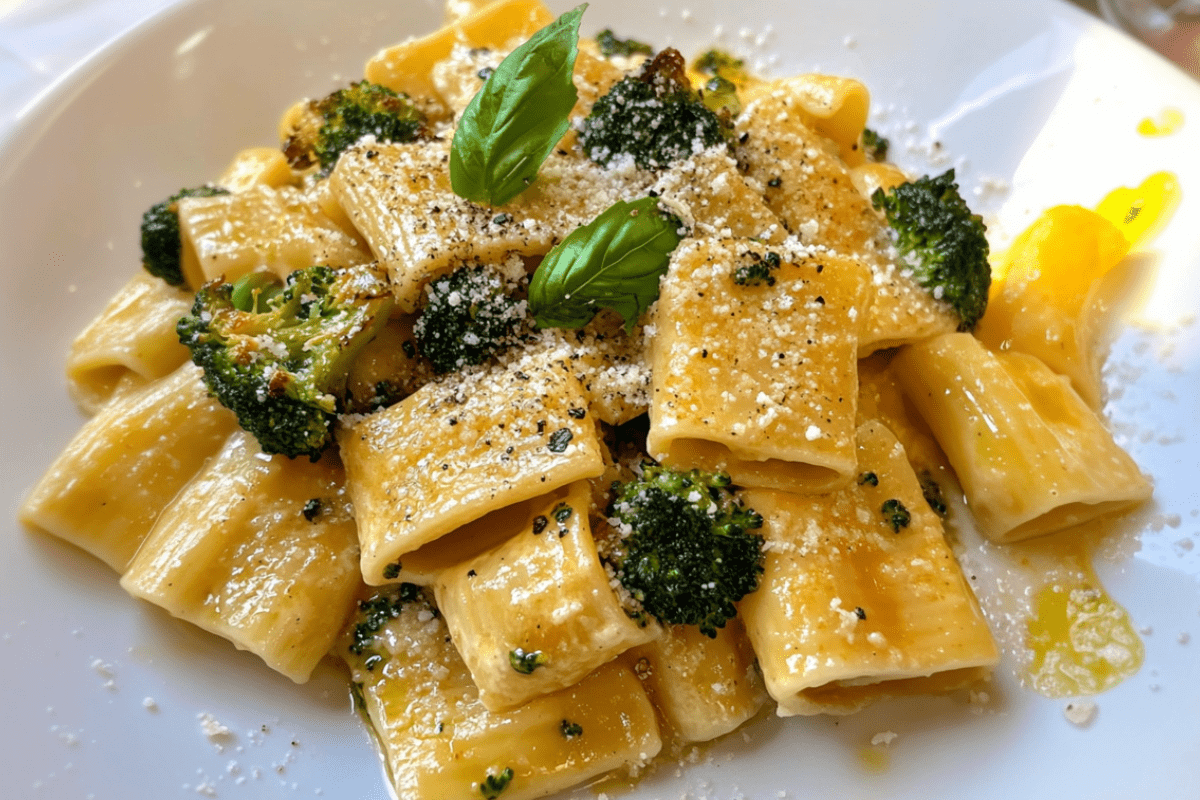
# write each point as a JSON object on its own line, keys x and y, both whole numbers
{"x": 577, "y": 394}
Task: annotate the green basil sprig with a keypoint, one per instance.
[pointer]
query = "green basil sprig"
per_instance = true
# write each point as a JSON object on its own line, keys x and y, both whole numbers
{"x": 614, "y": 262}
{"x": 513, "y": 123}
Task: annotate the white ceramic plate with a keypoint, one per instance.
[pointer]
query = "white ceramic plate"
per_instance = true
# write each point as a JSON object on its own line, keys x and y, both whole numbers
{"x": 1031, "y": 93}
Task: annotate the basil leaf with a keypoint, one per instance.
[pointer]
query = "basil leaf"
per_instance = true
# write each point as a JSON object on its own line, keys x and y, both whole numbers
{"x": 513, "y": 123}
{"x": 614, "y": 262}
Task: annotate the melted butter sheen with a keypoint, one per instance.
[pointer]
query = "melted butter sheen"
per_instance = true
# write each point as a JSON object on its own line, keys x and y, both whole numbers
{"x": 1168, "y": 121}
{"x": 1082, "y": 641}
{"x": 1141, "y": 212}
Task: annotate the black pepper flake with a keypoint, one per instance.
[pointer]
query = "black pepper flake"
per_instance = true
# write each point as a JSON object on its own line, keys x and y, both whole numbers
{"x": 409, "y": 348}
{"x": 522, "y": 376}
{"x": 471, "y": 573}
{"x": 312, "y": 509}
{"x": 559, "y": 440}
{"x": 820, "y": 268}
{"x": 392, "y": 571}
{"x": 452, "y": 421}
{"x": 539, "y": 524}
{"x": 704, "y": 353}
{"x": 541, "y": 426}
{"x": 485, "y": 73}
{"x": 775, "y": 182}
{"x": 820, "y": 300}
{"x": 868, "y": 479}
{"x": 570, "y": 730}
{"x": 858, "y": 610}
{"x": 562, "y": 512}
{"x": 745, "y": 137}
{"x": 501, "y": 219}
{"x": 576, "y": 413}
{"x": 371, "y": 153}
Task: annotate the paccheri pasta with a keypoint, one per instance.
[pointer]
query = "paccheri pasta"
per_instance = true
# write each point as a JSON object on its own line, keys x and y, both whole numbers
{"x": 581, "y": 397}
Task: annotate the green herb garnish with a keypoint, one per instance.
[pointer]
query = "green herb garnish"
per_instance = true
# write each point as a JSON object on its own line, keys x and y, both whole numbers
{"x": 614, "y": 262}
{"x": 896, "y": 514}
{"x": 611, "y": 45}
{"x": 526, "y": 662}
{"x": 513, "y": 123}
{"x": 494, "y": 785}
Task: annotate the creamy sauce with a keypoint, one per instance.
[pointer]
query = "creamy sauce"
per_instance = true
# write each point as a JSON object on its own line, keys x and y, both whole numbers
{"x": 875, "y": 759}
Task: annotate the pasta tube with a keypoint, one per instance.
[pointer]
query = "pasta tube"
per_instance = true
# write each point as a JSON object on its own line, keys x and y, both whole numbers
{"x": 439, "y": 740}
{"x": 861, "y": 597}
{"x": 132, "y": 341}
{"x": 704, "y": 688}
{"x": 259, "y": 550}
{"x": 753, "y": 378}
{"x": 1031, "y": 456}
{"x": 457, "y": 450}
{"x": 536, "y": 613}
{"x": 106, "y": 489}
{"x": 282, "y": 229}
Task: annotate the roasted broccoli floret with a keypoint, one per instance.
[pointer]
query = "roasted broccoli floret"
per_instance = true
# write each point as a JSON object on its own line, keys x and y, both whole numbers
{"x": 611, "y": 46}
{"x": 686, "y": 551}
{"x": 328, "y": 126}
{"x": 875, "y": 147}
{"x": 279, "y": 362}
{"x": 162, "y": 249}
{"x": 656, "y": 117}
{"x": 467, "y": 315}
{"x": 943, "y": 243}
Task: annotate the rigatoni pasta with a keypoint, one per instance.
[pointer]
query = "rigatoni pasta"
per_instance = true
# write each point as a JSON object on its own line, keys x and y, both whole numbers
{"x": 1031, "y": 455}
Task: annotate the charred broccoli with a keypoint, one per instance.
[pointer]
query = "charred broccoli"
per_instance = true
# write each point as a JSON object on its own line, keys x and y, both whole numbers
{"x": 656, "y": 117}
{"x": 162, "y": 248}
{"x": 686, "y": 553}
{"x": 941, "y": 241}
{"x": 280, "y": 362}
{"x": 330, "y": 125}
{"x": 465, "y": 318}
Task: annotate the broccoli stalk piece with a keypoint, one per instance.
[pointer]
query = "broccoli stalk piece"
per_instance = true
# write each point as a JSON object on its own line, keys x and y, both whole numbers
{"x": 656, "y": 117}
{"x": 280, "y": 363}
{"x": 687, "y": 554}
{"x": 162, "y": 247}
{"x": 328, "y": 126}
{"x": 941, "y": 241}
{"x": 466, "y": 317}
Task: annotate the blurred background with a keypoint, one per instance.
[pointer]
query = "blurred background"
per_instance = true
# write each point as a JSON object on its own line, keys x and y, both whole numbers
{"x": 43, "y": 41}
